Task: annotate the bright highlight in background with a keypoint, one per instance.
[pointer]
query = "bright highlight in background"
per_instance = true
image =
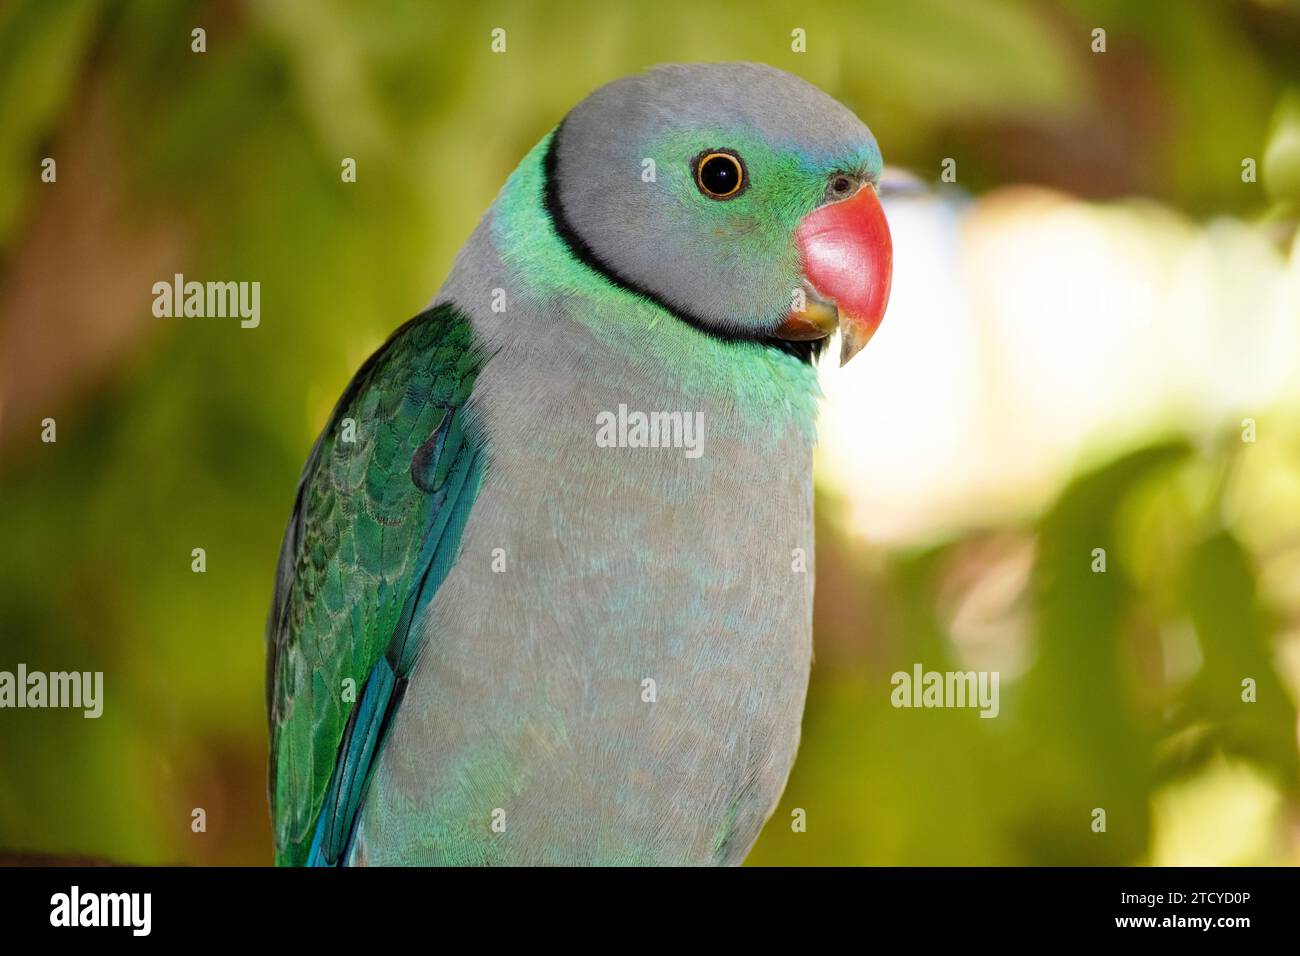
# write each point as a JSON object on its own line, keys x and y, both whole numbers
{"x": 1028, "y": 333}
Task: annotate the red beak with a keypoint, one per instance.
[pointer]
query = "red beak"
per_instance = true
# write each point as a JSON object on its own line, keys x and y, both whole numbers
{"x": 848, "y": 261}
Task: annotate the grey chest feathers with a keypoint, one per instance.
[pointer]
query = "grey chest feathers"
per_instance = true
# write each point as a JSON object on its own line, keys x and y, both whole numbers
{"x": 615, "y": 669}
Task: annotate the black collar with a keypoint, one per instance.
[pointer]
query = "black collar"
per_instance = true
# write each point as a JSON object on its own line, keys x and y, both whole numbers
{"x": 579, "y": 248}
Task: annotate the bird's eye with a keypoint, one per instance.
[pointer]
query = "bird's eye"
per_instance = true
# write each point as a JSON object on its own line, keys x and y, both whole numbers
{"x": 841, "y": 185}
{"x": 720, "y": 175}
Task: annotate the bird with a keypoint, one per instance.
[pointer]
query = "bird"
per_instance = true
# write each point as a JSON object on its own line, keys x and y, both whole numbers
{"x": 545, "y": 594}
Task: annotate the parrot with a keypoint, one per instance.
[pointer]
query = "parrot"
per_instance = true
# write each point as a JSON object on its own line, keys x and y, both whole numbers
{"x": 545, "y": 594}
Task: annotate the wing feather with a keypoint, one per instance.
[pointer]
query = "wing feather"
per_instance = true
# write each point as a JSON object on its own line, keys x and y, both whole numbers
{"x": 375, "y": 527}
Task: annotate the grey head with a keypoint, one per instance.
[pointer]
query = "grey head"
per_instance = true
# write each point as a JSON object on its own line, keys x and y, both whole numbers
{"x": 687, "y": 184}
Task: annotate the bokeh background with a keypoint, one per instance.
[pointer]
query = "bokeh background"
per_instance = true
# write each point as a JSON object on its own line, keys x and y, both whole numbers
{"x": 1092, "y": 344}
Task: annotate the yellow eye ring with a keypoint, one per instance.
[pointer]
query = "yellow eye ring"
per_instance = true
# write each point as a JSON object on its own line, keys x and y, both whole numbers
{"x": 720, "y": 175}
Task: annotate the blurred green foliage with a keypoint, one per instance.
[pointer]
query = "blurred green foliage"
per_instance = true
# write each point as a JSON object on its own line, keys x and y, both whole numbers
{"x": 189, "y": 434}
{"x": 1094, "y": 722}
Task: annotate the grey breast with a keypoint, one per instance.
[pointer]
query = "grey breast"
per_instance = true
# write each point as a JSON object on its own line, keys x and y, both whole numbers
{"x": 621, "y": 566}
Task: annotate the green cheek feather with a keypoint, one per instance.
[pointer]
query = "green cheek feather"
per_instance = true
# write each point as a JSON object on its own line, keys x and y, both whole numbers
{"x": 763, "y": 383}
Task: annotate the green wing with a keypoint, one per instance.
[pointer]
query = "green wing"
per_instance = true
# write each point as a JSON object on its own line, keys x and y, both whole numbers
{"x": 375, "y": 528}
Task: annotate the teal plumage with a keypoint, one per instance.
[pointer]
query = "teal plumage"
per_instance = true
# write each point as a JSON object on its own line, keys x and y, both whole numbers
{"x": 565, "y": 652}
{"x": 379, "y": 511}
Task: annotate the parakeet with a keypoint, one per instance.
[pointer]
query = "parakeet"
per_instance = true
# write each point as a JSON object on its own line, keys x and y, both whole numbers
{"x": 545, "y": 596}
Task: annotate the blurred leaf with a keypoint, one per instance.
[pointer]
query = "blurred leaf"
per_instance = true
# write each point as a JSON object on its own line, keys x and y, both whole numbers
{"x": 1280, "y": 169}
{"x": 1081, "y": 738}
{"x": 1220, "y": 595}
{"x": 42, "y": 52}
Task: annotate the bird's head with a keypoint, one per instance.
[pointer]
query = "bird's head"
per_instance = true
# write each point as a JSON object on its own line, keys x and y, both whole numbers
{"x": 739, "y": 197}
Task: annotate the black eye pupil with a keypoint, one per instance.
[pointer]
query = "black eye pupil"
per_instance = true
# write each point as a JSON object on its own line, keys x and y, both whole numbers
{"x": 720, "y": 174}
